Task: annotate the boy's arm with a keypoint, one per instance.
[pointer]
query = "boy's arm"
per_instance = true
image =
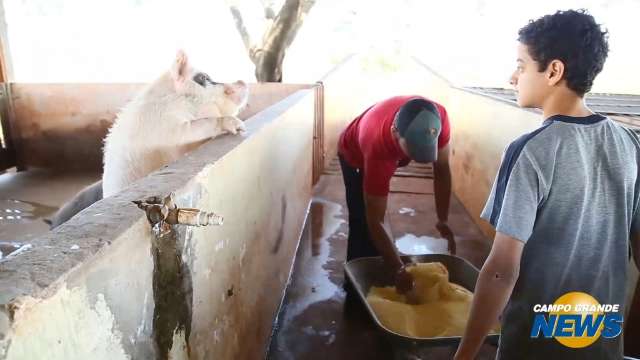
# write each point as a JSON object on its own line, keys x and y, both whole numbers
{"x": 635, "y": 248}
{"x": 634, "y": 234}
{"x": 493, "y": 289}
{"x": 635, "y": 242}
{"x": 511, "y": 209}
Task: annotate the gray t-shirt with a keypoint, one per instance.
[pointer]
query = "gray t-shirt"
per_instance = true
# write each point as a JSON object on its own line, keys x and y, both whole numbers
{"x": 570, "y": 191}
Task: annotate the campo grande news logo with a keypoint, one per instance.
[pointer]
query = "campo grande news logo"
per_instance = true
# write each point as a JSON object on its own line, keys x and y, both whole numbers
{"x": 577, "y": 320}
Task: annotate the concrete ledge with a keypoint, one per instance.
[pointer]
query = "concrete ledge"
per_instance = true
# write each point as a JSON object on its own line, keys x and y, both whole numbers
{"x": 61, "y": 126}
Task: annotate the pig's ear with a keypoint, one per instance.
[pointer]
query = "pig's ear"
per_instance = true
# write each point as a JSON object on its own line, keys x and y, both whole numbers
{"x": 180, "y": 68}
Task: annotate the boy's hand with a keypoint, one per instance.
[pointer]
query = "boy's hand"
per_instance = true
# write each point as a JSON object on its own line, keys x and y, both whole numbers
{"x": 446, "y": 233}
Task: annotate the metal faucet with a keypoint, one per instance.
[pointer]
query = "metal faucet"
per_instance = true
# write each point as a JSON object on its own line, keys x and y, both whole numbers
{"x": 165, "y": 211}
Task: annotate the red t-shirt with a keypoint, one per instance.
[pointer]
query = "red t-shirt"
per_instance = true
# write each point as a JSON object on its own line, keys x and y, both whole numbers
{"x": 367, "y": 143}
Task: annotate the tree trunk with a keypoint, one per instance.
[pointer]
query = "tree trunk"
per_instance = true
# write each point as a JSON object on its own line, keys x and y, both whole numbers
{"x": 269, "y": 55}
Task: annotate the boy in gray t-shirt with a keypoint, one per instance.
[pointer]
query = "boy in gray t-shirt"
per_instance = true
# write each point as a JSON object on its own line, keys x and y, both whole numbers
{"x": 565, "y": 202}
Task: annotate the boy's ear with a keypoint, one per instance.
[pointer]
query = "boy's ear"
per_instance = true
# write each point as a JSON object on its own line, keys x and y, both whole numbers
{"x": 179, "y": 69}
{"x": 555, "y": 72}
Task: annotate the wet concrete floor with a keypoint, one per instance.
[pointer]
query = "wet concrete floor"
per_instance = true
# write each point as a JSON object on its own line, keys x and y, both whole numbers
{"x": 313, "y": 323}
{"x": 29, "y": 197}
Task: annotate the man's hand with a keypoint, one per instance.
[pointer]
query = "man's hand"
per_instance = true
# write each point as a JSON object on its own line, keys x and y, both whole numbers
{"x": 446, "y": 233}
{"x": 376, "y": 206}
{"x": 404, "y": 281}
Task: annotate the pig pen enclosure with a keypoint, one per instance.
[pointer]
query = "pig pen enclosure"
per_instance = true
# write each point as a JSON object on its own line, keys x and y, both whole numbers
{"x": 267, "y": 283}
{"x": 100, "y": 263}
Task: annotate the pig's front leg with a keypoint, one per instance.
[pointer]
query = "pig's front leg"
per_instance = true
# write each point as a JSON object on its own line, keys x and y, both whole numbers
{"x": 201, "y": 129}
{"x": 206, "y": 128}
{"x": 232, "y": 124}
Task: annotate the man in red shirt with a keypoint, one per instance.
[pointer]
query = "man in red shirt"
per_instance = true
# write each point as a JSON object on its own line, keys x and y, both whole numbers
{"x": 386, "y": 136}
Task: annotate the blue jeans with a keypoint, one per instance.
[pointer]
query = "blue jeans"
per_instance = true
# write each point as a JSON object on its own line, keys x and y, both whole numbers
{"x": 359, "y": 242}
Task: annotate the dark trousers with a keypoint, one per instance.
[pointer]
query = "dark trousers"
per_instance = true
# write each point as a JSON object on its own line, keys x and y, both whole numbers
{"x": 359, "y": 242}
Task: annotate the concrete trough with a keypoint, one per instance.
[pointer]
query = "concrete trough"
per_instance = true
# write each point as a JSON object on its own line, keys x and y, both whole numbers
{"x": 103, "y": 286}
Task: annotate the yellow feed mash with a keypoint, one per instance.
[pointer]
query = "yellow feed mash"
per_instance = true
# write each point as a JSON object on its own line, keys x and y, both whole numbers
{"x": 442, "y": 310}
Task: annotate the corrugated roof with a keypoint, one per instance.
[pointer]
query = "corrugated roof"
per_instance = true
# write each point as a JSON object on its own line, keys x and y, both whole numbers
{"x": 620, "y": 107}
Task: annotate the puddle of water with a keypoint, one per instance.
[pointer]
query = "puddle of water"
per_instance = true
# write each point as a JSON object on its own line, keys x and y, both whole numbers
{"x": 407, "y": 211}
{"x": 18, "y": 211}
{"x": 11, "y": 249}
{"x": 7, "y": 248}
{"x": 409, "y": 244}
{"x": 324, "y": 222}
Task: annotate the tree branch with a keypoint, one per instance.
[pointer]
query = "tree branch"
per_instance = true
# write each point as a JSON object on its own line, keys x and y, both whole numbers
{"x": 305, "y": 7}
{"x": 269, "y": 13}
{"x": 246, "y": 39}
{"x": 268, "y": 56}
{"x": 274, "y": 39}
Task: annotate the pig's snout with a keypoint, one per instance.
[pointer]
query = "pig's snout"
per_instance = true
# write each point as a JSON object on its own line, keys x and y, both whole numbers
{"x": 230, "y": 89}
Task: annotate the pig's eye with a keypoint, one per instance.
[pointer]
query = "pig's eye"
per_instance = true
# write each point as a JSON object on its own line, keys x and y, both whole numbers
{"x": 201, "y": 79}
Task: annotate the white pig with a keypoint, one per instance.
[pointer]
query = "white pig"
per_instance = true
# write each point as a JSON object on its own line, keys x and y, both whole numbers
{"x": 170, "y": 117}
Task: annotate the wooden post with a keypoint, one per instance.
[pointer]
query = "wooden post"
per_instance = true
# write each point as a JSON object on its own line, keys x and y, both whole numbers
{"x": 318, "y": 133}
{"x": 8, "y": 157}
{"x": 6, "y": 66}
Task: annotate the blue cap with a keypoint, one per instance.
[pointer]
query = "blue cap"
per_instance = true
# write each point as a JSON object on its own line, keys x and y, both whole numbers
{"x": 418, "y": 123}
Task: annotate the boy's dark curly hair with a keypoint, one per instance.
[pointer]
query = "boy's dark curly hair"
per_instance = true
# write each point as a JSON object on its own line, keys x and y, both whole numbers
{"x": 573, "y": 37}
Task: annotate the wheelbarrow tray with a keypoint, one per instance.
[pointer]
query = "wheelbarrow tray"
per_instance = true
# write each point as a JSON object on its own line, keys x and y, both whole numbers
{"x": 363, "y": 273}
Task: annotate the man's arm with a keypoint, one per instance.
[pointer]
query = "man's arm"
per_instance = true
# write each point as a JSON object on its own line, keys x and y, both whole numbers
{"x": 442, "y": 184}
{"x": 493, "y": 290}
{"x": 442, "y": 195}
{"x": 376, "y": 207}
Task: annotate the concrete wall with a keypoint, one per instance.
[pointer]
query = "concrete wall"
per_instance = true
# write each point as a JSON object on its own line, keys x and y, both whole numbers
{"x": 482, "y": 127}
{"x": 86, "y": 290}
{"x": 61, "y": 126}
